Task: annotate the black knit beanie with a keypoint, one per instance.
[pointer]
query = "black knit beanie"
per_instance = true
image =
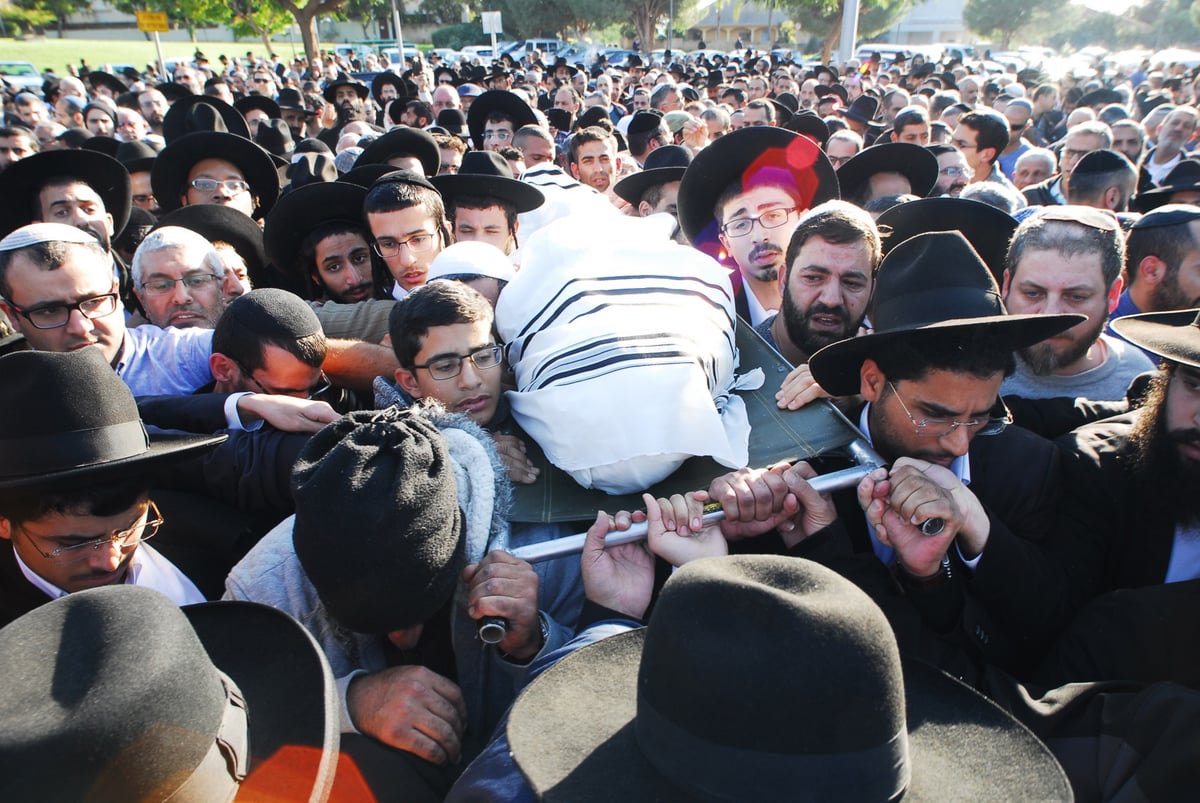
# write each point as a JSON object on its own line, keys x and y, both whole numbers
{"x": 378, "y": 528}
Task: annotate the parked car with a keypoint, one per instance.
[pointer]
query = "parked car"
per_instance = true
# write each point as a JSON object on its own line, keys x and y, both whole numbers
{"x": 22, "y": 75}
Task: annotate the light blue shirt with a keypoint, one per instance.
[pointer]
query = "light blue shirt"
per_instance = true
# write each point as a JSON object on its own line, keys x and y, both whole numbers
{"x": 165, "y": 362}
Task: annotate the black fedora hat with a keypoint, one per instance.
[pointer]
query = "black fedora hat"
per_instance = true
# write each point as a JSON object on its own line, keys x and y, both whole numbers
{"x": 366, "y": 175}
{"x": 190, "y": 704}
{"x": 292, "y": 100}
{"x": 388, "y": 78}
{"x": 488, "y": 174}
{"x": 169, "y": 176}
{"x": 275, "y": 137}
{"x": 986, "y": 228}
{"x": 218, "y": 223}
{"x": 561, "y": 61}
{"x": 137, "y": 155}
{"x": 666, "y": 163}
{"x": 330, "y": 90}
{"x": 913, "y": 162}
{"x": 99, "y": 78}
{"x": 862, "y": 110}
{"x": 750, "y": 155}
{"x": 174, "y": 92}
{"x": 202, "y": 113}
{"x": 500, "y": 100}
{"x": 102, "y": 144}
{"x": 261, "y": 102}
{"x": 308, "y": 168}
{"x": 303, "y": 211}
{"x": 69, "y": 419}
{"x": 405, "y": 141}
{"x": 441, "y": 70}
{"x": 933, "y": 282}
{"x": 831, "y": 711}
{"x": 1101, "y": 97}
{"x": 1173, "y": 335}
{"x": 1184, "y": 177}
{"x": 21, "y": 181}
{"x": 810, "y": 125}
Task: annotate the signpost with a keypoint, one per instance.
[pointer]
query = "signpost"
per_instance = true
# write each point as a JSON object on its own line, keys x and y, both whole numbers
{"x": 492, "y": 25}
{"x": 155, "y": 22}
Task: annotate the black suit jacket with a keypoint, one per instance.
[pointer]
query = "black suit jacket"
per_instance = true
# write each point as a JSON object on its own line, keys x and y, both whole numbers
{"x": 17, "y": 595}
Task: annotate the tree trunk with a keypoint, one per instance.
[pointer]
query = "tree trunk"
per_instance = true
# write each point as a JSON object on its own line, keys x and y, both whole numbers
{"x": 266, "y": 37}
{"x": 307, "y": 22}
{"x": 62, "y": 24}
{"x": 835, "y": 33}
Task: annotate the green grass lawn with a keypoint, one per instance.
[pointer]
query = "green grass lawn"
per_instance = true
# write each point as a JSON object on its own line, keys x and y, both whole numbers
{"x": 56, "y": 53}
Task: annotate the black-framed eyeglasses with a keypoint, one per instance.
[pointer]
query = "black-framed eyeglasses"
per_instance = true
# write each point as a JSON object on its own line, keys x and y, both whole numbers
{"x": 161, "y": 285}
{"x": 954, "y": 171}
{"x": 940, "y": 427}
{"x": 451, "y": 365}
{"x": 771, "y": 219}
{"x": 389, "y": 248}
{"x": 52, "y": 316}
{"x": 144, "y": 528}
{"x": 323, "y": 385}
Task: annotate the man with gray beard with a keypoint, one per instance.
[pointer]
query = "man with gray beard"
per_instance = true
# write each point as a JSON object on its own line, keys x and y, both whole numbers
{"x": 1068, "y": 260}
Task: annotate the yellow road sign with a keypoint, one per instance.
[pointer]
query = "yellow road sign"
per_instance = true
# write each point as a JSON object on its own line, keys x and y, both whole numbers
{"x": 152, "y": 22}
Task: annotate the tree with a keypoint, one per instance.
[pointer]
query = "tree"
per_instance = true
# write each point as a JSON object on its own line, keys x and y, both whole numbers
{"x": 1003, "y": 19}
{"x": 188, "y": 14}
{"x": 258, "y": 18}
{"x": 823, "y": 19}
{"x": 60, "y": 9}
{"x": 306, "y": 13}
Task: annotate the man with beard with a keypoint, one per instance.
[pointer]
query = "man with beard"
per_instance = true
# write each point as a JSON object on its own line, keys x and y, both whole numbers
{"x": 826, "y": 286}
{"x": 953, "y": 171}
{"x": 177, "y": 276}
{"x": 592, "y": 158}
{"x": 1163, "y": 262}
{"x": 153, "y": 105}
{"x": 1068, "y": 260}
{"x": 349, "y": 97}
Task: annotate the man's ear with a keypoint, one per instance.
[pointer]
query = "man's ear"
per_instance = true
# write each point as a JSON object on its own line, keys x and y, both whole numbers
{"x": 872, "y": 381}
{"x": 5, "y": 529}
{"x": 574, "y": 170}
{"x": 223, "y": 369}
{"x": 1114, "y": 293}
{"x": 1007, "y": 283}
{"x": 13, "y": 315}
{"x": 1151, "y": 270}
{"x": 407, "y": 381}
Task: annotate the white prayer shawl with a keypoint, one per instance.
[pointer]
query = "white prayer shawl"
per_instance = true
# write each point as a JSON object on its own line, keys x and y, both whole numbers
{"x": 564, "y": 197}
{"x": 622, "y": 342}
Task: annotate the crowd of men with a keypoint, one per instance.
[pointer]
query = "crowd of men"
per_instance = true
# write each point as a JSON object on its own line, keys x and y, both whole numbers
{"x": 270, "y": 314}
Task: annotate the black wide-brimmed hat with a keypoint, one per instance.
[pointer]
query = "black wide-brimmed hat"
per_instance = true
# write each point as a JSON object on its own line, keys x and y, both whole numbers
{"x": 261, "y": 102}
{"x": 202, "y": 113}
{"x": 330, "y": 90}
{"x": 986, "y": 228}
{"x": 497, "y": 100}
{"x": 169, "y": 176}
{"x": 219, "y": 223}
{"x": 405, "y": 141}
{"x": 387, "y": 77}
{"x": 303, "y": 211}
{"x": 100, "y": 143}
{"x": 1184, "y": 177}
{"x": 913, "y": 162}
{"x": 275, "y": 137}
{"x": 366, "y": 175}
{"x": 488, "y": 174}
{"x": 189, "y": 704}
{"x": 21, "y": 181}
{"x": 70, "y": 420}
{"x": 810, "y": 125}
{"x": 665, "y": 163}
{"x": 137, "y": 155}
{"x": 292, "y": 100}
{"x": 933, "y": 282}
{"x": 753, "y": 156}
{"x": 98, "y": 78}
{"x": 1173, "y": 335}
{"x": 862, "y": 110}
{"x": 1101, "y": 97}
{"x": 824, "y": 708}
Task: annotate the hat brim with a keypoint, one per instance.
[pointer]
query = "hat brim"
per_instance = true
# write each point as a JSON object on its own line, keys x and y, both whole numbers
{"x": 740, "y": 154}
{"x": 169, "y": 175}
{"x": 412, "y": 141}
{"x": 632, "y": 187}
{"x": 525, "y": 197}
{"x": 497, "y": 100}
{"x": 260, "y": 102}
{"x": 330, "y": 92}
{"x": 302, "y": 210}
{"x": 572, "y": 735}
{"x": 163, "y": 450}
{"x": 290, "y": 694}
{"x": 214, "y": 223}
{"x": 836, "y": 367}
{"x": 1172, "y": 335}
{"x": 1150, "y": 200}
{"x": 104, "y": 174}
{"x": 175, "y": 120}
{"x": 113, "y": 83}
{"x": 986, "y": 228}
{"x": 913, "y": 162}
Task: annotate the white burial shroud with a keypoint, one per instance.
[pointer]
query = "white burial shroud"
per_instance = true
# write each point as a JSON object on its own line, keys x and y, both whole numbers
{"x": 622, "y": 342}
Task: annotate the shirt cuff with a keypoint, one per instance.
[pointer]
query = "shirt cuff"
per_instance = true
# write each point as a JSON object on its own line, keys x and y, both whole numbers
{"x": 343, "y": 686}
{"x": 970, "y": 564}
{"x": 233, "y": 420}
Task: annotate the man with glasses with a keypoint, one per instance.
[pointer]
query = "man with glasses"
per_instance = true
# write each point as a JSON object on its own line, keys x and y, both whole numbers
{"x": 930, "y": 374}
{"x": 982, "y": 136}
{"x": 842, "y": 147}
{"x": 215, "y": 167}
{"x": 1081, "y": 140}
{"x": 75, "y": 504}
{"x": 495, "y": 116}
{"x": 177, "y": 276}
{"x": 953, "y": 171}
{"x": 408, "y": 225}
